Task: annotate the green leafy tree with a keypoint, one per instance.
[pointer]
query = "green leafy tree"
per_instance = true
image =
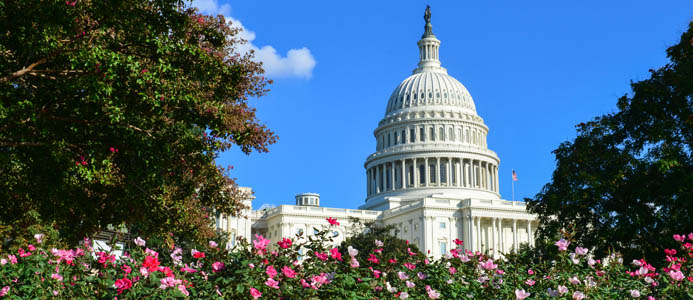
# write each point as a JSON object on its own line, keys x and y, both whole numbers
{"x": 113, "y": 112}
{"x": 626, "y": 180}
{"x": 367, "y": 233}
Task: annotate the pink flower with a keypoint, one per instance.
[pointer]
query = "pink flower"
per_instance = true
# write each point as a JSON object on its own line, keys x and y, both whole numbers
{"x": 488, "y": 265}
{"x": 458, "y": 242}
{"x": 574, "y": 280}
{"x": 421, "y": 275}
{"x": 39, "y": 237}
{"x": 198, "y": 254}
{"x": 123, "y": 284}
{"x": 251, "y": 265}
{"x": 452, "y": 270}
{"x": 577, "y": 295}
{"x": 410, "y": 284}
{"x": 187, "y": 269}
{"x": 676, "y": 275}
{"x": 334, "y": 253}
{"x": 530, "y": 282}
{"x": 3, "y": 261}
{"x": 432, "y": 294}
{"x": 260, "y": 244}
{"x": 521, "y": 294}
{"x": 144, "y": 271}
{"x": 288, "y": 272}
{"x": 12, "y": 258}
{"x": 402, "y": 275}
{"x": 410, "y": 266}
{"x": 320, "y": 255}
{"x": 353, "y": 262}
{"x": 217, "y": 266}
{"x": 679, "y": 238}
{"x": 140, "y": 242}
{"x": 562, "y": 289}
{"x": 213, "y": 244}
{"x": 376, "y": 273}
{"x": 272, "y": 283}
{"x": 4, "y": 290}
{"x": 373, "y": 259}
{"x": 378, "y": 243}
{"x": 285, "y": 243}
{"x": 255, "y": 293}
{"x": 151, "y": 263}
{"x": 271, "y": 271}
{"x": 530, "y": 272}
{"x": 183, "y": 290}
{"x": 562, "y": 245}
{"x": 332, "y": 221}
{"x": 580, "y": 251}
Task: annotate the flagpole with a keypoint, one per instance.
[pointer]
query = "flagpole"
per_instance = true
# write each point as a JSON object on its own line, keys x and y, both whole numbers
{"x": 513, "y": 185}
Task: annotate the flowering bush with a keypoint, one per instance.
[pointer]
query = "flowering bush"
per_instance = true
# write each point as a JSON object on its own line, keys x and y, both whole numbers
{"x": 309, "y": 268}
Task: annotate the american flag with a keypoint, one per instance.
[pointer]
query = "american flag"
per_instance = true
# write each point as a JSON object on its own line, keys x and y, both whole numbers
{"x": 514, "y": 176}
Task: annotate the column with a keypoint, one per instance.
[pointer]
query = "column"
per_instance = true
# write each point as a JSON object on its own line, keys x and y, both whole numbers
{"x": 469, "y": 243}
{"x": 427, "y": 171}
{"x": 494, "y": 233}
{"x": 501, "y": 235}
{"x": 404, "y": 174}
{"x": 438, "y": 182}
{"x": 515, "y": 235}
{"x": 529, "y": 233}
{"x": 449, "y": 171}
{"x": 392, "y": 175}
{"x": 495, "y": 173}
{"x": 368, "y": 182}
{"x": 451, "y": 222}
{"x": 415, "y": 167}
{"x": 377, "y": 179}
{"x": 479, "y": 239}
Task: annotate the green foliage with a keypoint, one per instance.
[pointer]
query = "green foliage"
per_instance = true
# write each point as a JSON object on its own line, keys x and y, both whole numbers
{"x": 366, "y": 235}
{"x": 626, "y": 180}
{"x": 113, "y": 112}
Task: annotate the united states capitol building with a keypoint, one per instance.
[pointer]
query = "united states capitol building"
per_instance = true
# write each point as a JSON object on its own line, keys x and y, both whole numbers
{"x": 432, "y": 175}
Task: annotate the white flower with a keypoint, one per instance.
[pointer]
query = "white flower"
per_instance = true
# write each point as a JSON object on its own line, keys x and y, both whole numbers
{"x": 352, "y": 252}
{"x": 140, "y": 242}
{"x": 378, "y": 243}
{"x": 39, "y": 237}
{"x": 634, "y": 293}
{"x": 404, "y": 295}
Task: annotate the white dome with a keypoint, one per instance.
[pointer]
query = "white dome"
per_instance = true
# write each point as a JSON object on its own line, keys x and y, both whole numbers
{"x": 430, "y": 90}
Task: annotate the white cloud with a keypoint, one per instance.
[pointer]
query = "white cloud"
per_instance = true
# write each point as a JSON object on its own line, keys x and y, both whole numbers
{"x": 296, "y": 63}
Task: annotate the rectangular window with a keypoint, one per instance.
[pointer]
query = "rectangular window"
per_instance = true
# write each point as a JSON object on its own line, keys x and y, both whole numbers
{"x": 443, "y": 248}
{"x": 388, "y": 140}
{"x": 442, "y": 225}
{"x": 412, "y": 136}
{"x": 422, "y": 134}
{"x": 432, "y": 172}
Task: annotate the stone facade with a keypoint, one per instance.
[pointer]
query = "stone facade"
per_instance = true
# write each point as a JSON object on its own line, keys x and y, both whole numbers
{"x": 432, "y": 175}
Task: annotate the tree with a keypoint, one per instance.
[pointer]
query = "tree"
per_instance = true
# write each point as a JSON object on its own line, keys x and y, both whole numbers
{"x": 113, "y": 112}
{"x": 365, "y": 235}
{"x": 627, "y": 178}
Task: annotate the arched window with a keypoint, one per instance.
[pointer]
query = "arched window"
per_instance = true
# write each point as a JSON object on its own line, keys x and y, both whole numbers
{"x": 422, "y": 174}
{"x": 433, "y": 173}
{"x": 443, "y": 173}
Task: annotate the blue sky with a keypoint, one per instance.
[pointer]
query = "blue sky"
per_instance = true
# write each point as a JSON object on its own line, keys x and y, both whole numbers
{"x": 534, "y": 68}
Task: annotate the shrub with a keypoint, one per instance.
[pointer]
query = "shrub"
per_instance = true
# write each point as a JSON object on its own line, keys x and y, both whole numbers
{"x": 309, "y": 268}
